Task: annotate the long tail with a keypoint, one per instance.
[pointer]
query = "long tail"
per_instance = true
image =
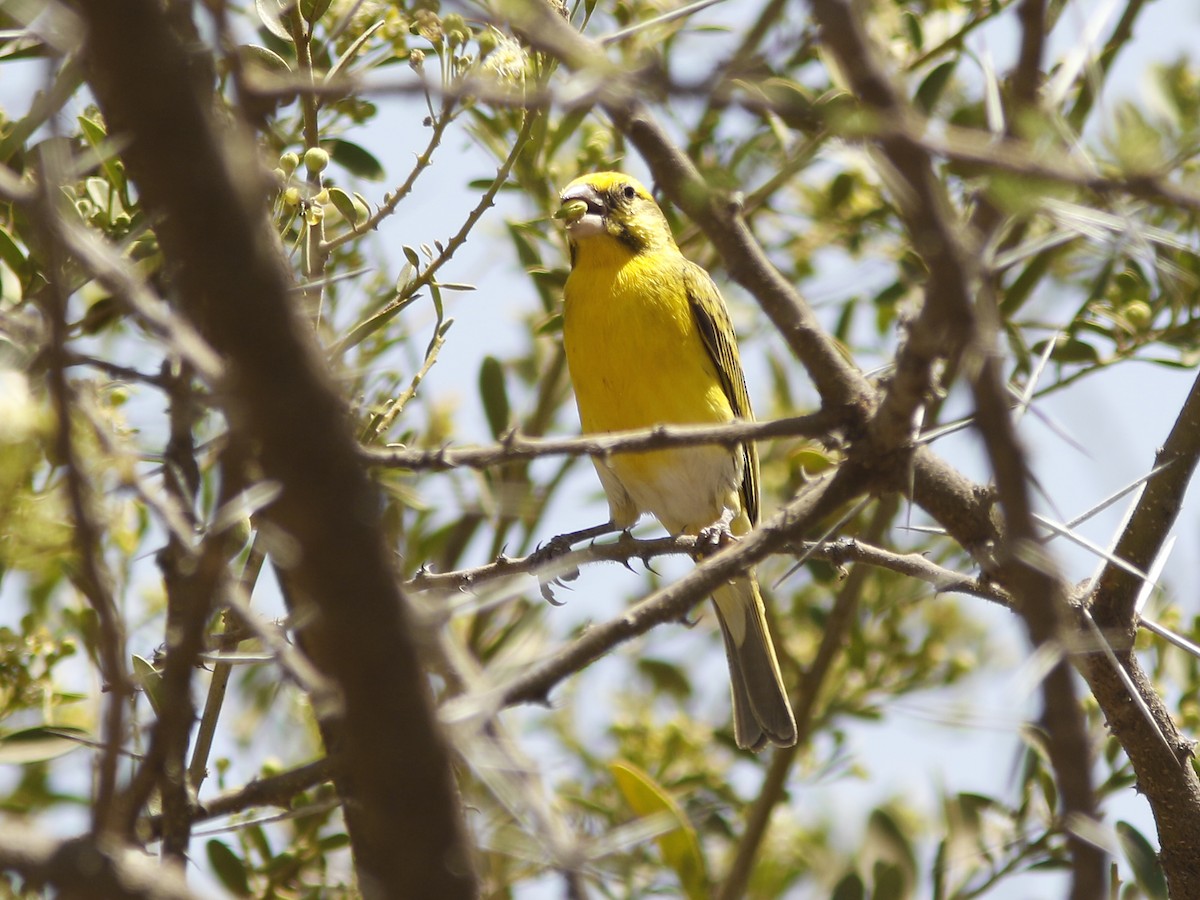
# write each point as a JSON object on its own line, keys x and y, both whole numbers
{"x": 761, "y": 711}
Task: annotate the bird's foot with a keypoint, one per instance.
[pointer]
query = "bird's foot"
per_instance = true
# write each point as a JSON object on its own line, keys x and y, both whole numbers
{"x": 561, "y": 544}
{"x": 544, "y": 560}
{"x": 712, "y": 538}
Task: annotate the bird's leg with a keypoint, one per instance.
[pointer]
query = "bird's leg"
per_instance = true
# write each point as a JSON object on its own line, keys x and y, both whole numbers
{"x": 562, "y": 543}
{"x": 713, "y": 537}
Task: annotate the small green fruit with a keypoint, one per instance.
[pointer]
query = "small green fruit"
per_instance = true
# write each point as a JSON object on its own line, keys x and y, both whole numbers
{"x": 1138, "y": 314}
{"x": 316, "y": 160}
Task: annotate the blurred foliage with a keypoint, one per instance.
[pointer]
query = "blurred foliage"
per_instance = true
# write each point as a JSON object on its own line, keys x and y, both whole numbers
{"x": 657, "y": 798}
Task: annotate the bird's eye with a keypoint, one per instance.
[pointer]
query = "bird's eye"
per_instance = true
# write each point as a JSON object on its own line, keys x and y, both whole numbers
{"x": 630, "y": 192}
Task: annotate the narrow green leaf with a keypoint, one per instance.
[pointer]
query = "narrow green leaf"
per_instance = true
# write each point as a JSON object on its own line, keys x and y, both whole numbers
{"x": 271, "y": 13}
{"x": 494, "y": 394}
{"x": 892, "y": 842}
{"x": 527, "y": 252}
{"x": 1147, "y": 871}
{"x": 32, "y": 745}
{"x": 334, "y": 842}
{"x": 552, "y": 325}
{"x": 912, "y": 24}
{"x": 567, "y": 126}
{"x": 679, "y": 847}
{"x": 851, "y": 887}
{"x": 1069, "y": 350}
{"x": 229, "y": 868}
{"x": 97, "y": 138}
{"x": 934, "y": 84}
{"x": 149, "y": 680}
{"x": 11, "y": 254}
{"x": 666, "y": 677}
{"x": 352, "y": 51}
{"x": 344, "y": 204}
{"x": 354, "y": 159}
{"x": 264, "y": 57}
{"x": 364, "y": 207}
{"x": 890, "y": 882}
{"x": 312, "y": 10}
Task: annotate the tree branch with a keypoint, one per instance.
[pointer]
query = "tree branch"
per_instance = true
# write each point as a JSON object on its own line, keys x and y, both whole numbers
{"x": 81, "y": 869}
{"x": 945, "y": 325}
{"x": 825, "y": 494}
{"x": 404, "y": 820}
{"x": 515, "y": 447}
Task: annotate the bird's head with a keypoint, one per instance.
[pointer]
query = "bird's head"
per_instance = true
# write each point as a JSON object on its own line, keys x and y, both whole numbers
{"x": 611, "y": 206}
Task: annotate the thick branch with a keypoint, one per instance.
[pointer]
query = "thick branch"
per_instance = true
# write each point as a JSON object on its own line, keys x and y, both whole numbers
{"x": 1166, "y": 776}
{"x": 1153, "y": 519}
{"x": 403, "y": 819}
{"x": 80, "y": 869}
{"x": 948, "y": 323}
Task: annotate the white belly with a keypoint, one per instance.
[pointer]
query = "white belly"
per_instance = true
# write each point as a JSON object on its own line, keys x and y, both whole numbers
{"x": 686, "y": 489}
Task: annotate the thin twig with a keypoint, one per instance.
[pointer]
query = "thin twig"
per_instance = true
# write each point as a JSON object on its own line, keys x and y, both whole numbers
{"x": 514, "y": 446}
{"x": 392, "y": 201}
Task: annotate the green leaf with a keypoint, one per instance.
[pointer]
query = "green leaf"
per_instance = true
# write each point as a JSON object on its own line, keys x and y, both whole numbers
{"x": 97, "y": 137}
{"x": 312, "y": 10}
{"x": 527, "y": 252}
{"x": 552, "y": 325}
{"x": 666, "y": 677}
{"x": 679, "y": 846}
{"x": 841, "y": 188}
{"x": 1069, "y": 350}
{"x": 912, "y": 24}
{"x": 344, "y": 204}
{"x": 99, "y": 192}
{"x": 271, "y": 13}
{"x": 1147, "y": 871}
{"x": 267, "y": 59}
{"x": 891, "y": 842}
{"x": 890, "y": 882}
{"x": 494, "y": 393}
{"x": 934, "y": 84}
{"x": 567, "y": 126}
{"x": 851, "y": 887}
{"x": 39, "y": 744}
{"x": 229, "y": 868}
{"x": 149, "y": 679}
{"x": 352, "y": 51}
{"x": 334, "y": 842}
{"x": 11, "y": 254}
{"x": 939, "y": 872}
{"x": 46, "y": 104}
{"x": 354, "y": 159}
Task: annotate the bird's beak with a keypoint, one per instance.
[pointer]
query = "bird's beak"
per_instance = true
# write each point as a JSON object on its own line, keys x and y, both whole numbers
{"x": 582, "y": 212}
{"x": 572, "y": 211}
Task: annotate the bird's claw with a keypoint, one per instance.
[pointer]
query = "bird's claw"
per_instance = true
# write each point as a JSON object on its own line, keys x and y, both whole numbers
{"x": 712, "y": 538}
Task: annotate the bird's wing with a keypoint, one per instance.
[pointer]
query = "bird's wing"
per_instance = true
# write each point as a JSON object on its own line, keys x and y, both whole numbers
{"x": 712, "y": 319}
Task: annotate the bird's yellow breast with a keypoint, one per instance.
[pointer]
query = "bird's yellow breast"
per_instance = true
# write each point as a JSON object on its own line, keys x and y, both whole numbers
{"x": 637, "y": 359}
{"x": 635, "y": 354}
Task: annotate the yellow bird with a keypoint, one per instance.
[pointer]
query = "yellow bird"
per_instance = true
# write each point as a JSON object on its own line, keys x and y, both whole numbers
{"x": 648, "y": 342}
